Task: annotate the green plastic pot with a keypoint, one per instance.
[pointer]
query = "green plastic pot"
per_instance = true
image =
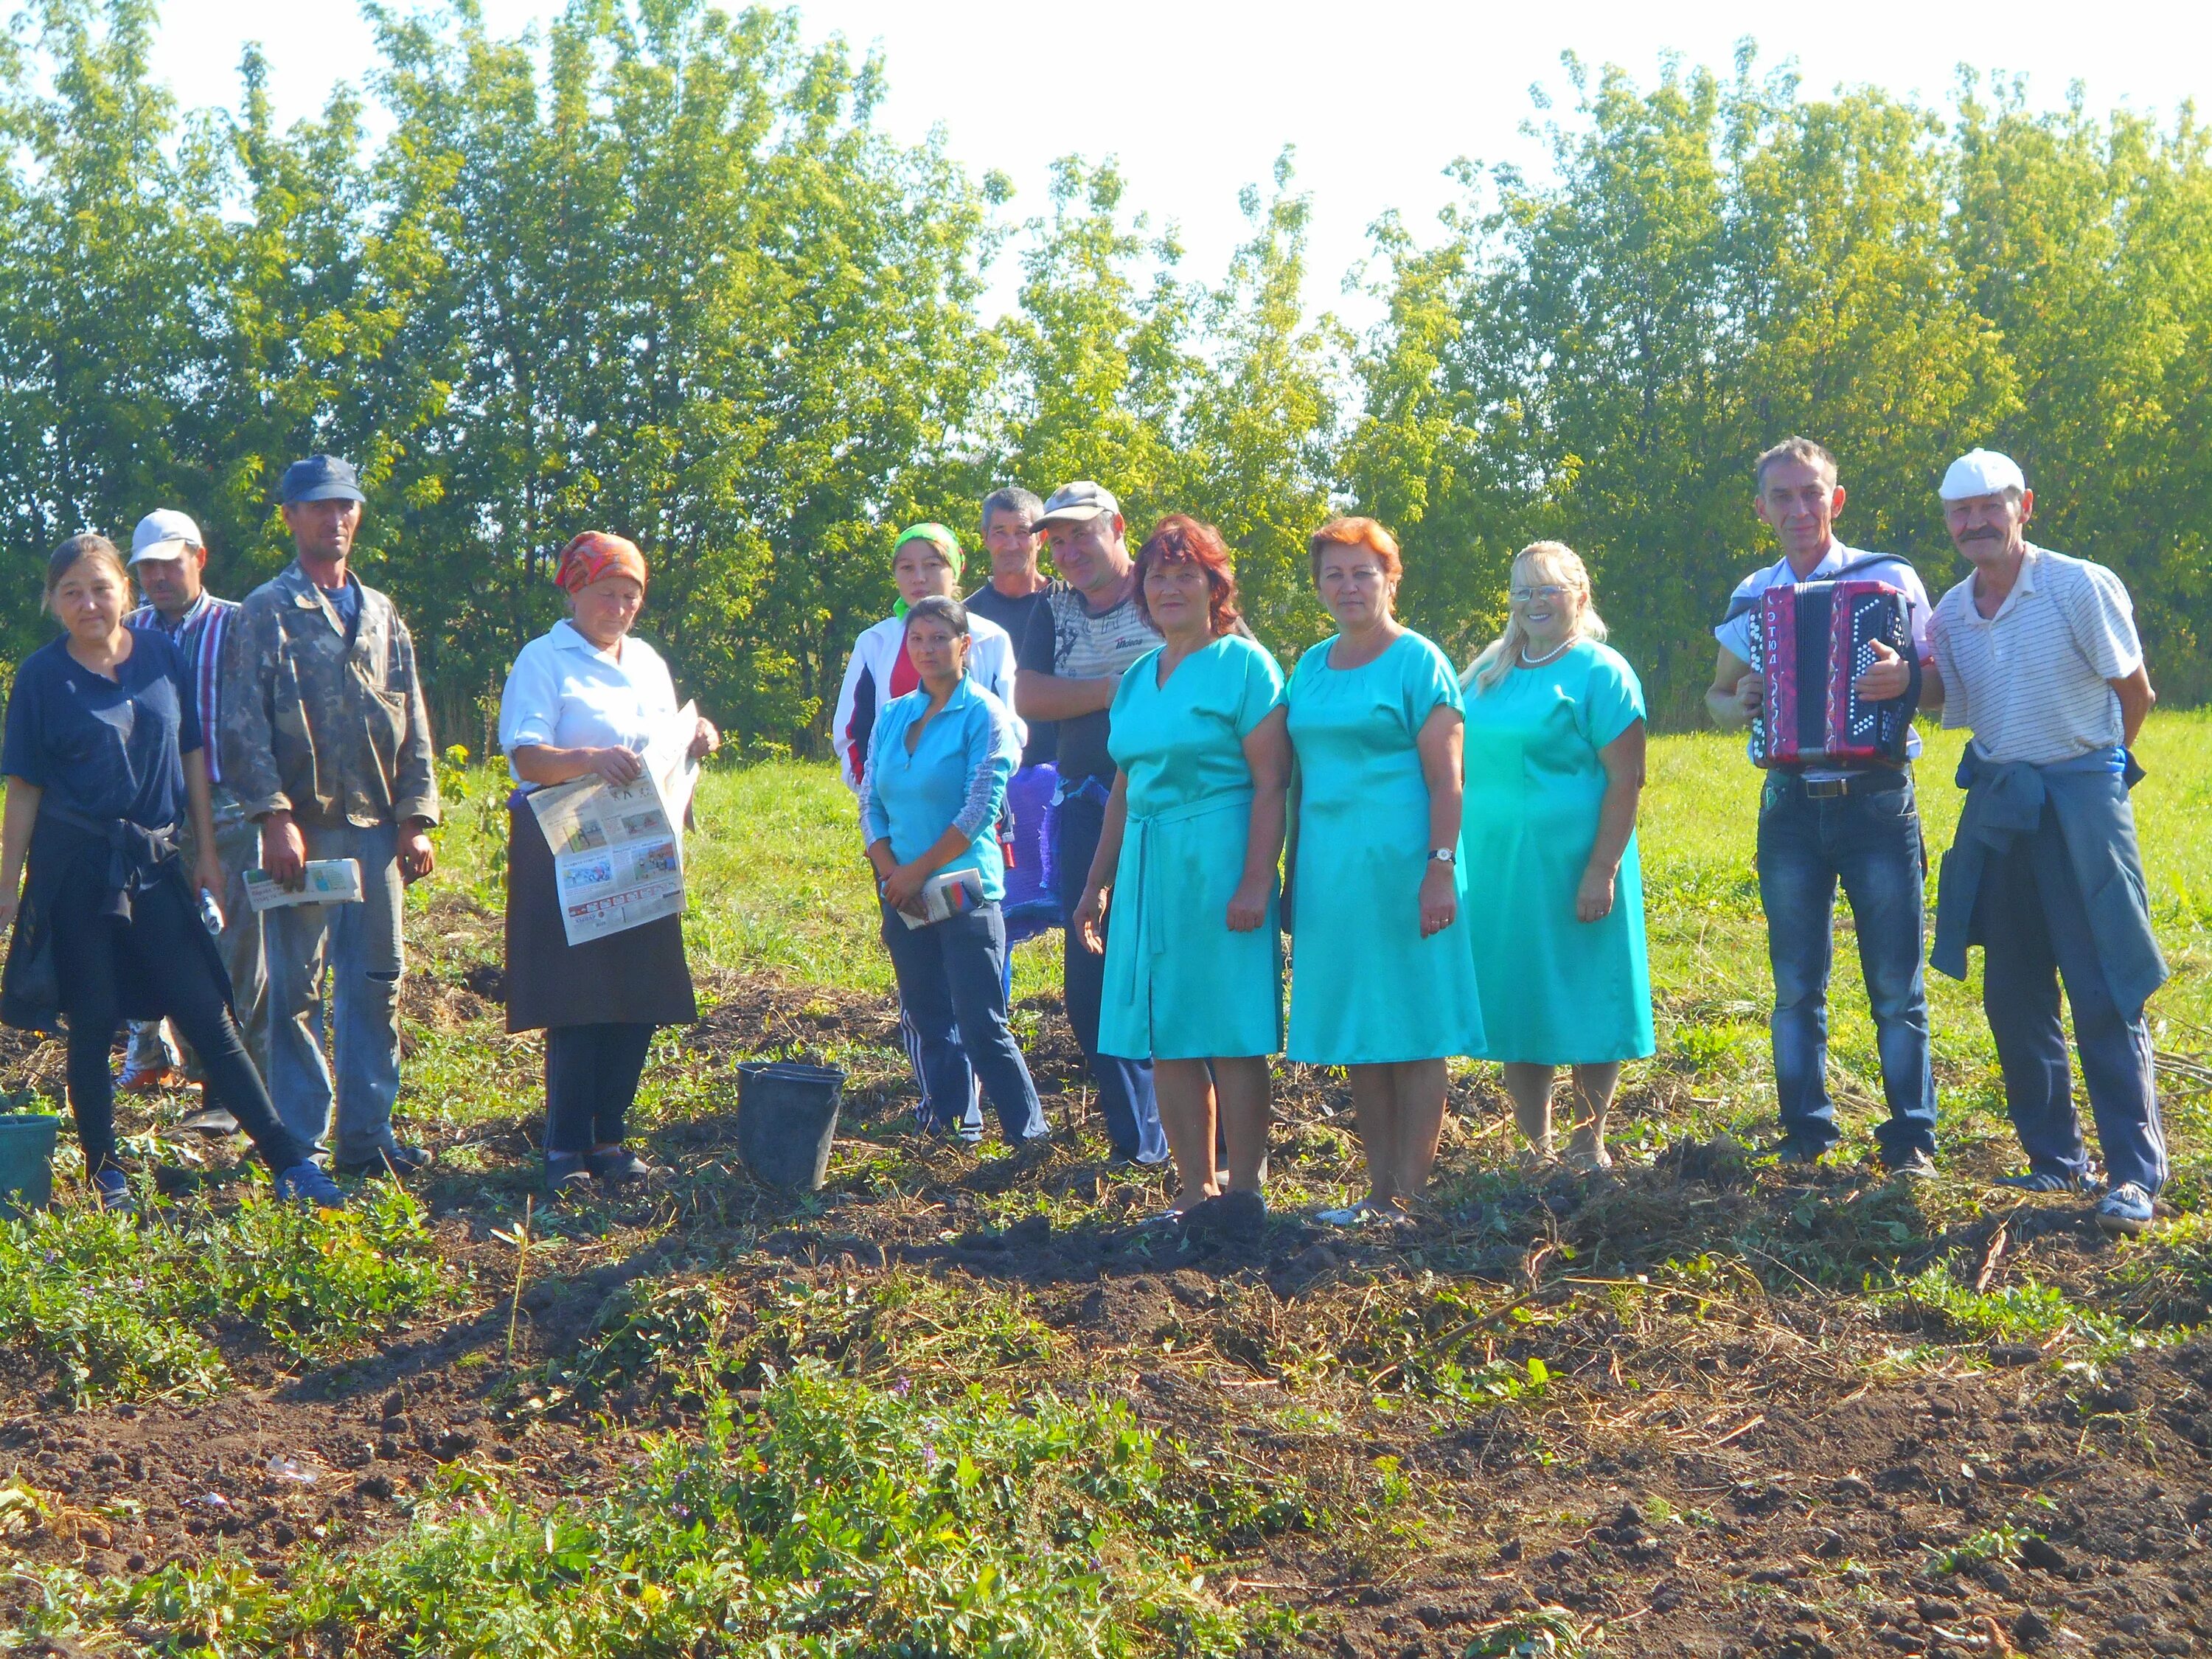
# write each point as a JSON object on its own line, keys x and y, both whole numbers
{"x": 27, "y": 1161}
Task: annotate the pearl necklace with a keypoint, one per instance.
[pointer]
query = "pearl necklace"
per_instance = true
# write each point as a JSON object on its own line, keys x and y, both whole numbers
{"x": 1527, "y": 661}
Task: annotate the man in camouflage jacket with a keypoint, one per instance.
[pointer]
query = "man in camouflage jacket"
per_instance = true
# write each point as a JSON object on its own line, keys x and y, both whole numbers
{"x": 327, "y": 745}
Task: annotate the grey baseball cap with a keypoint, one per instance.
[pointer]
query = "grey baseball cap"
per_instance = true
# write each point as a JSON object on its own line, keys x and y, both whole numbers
{"x": 1078, "y": 503}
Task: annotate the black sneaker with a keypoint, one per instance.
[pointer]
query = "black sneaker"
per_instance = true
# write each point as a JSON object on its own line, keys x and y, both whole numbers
{"x": 1237, "y": 1215}
{"x": 2052, "y": 1181}
{"x": 619, "y": 1167}
{"x": 394, "y": 1160}
{"x": 568, "y": 1175}
{"x": 1915, "y": 1165}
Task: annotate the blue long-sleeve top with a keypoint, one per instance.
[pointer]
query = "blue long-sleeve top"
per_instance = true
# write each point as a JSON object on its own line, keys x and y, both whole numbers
{"x": 955, "y": 777}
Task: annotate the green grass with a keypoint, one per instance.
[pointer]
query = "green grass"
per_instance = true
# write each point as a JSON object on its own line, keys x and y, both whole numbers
{"x": 111, "y": 1310}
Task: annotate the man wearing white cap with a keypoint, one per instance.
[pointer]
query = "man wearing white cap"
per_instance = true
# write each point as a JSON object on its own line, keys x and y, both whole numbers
{"x": 169, "y": 559}
{"x": 2040, "y": 660}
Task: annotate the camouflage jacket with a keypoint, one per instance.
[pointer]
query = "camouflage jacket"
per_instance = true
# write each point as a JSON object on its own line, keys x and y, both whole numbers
{"x": 335, "y": 734}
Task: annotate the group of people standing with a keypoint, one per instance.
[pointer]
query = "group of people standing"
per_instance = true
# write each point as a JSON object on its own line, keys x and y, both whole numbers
{"x": 153, "y": 756}
{"x": 1418, "y": 839}
{"x": 1453, "y": 856}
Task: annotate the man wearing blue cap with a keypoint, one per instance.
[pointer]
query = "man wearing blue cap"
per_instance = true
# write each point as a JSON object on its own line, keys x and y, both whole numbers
{"x": 326, "y": 742}
{"x": 2041, "y": 662}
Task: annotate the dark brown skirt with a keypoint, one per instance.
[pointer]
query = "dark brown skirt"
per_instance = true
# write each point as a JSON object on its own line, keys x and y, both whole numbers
{"x": 638, "y": 976}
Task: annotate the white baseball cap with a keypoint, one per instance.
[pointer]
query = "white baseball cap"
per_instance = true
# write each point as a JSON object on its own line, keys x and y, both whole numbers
{"x": 1078, "y": 503}
{"x": 1981, "y": 472}
{"x": 165, "y": 533}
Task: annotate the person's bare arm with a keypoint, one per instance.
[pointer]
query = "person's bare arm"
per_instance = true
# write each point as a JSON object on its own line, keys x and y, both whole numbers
{"x": 2136, "y": 700}
{"x": 1736, "y": 693}
{"x": 22, "y": 812}
{"x": 1268, "y": 753}
{"x": 207, "y": 868}
{"x": 1042, "y": 696}
{"x": 544, "y": 764}
{"x": 1623, "y": 760}
{"x": 1442, "y": 738}
{"x": 1098, "y": 880}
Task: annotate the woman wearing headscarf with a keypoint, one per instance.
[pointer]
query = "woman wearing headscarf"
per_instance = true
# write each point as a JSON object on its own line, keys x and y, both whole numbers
{"x": 104, "y": 759}
{"x": 925, "y": 559}
{"x": 938, "y": 761}
{"x": 584, "y": 700}
{"x": 1554, "y": 769}
{"x": 1193, "y": 839}
{"x": 1382, "y": 970}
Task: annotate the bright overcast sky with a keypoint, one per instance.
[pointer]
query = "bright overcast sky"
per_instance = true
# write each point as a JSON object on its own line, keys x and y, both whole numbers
{"x": 1196, "y": 97}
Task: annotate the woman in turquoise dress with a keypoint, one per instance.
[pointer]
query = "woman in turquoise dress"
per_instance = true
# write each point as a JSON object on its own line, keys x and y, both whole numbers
{"x": 1382, "y": 978}
{"x": 1554, "y": 768}
{"x": 1188, "y": 860}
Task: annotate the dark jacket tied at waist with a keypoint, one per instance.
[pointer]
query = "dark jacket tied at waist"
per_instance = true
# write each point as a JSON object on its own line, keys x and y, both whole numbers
{"x": 2098, "y": 824}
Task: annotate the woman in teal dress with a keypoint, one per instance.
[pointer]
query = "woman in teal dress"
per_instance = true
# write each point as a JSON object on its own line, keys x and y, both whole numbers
{"x": 1382, "y": 976}
{"x": 1187, "y": 859}
{"x": 1554, "y": 768}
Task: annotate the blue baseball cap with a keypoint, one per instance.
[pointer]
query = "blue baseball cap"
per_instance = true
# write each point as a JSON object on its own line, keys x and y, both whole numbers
{"x": 320, "y": 478}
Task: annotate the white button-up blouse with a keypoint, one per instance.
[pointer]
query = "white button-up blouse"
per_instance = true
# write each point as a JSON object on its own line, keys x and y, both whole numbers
{"x": 566, "y": 692}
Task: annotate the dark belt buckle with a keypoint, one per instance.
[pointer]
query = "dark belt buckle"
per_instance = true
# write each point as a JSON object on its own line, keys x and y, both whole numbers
{"x": 1826, "y": 788}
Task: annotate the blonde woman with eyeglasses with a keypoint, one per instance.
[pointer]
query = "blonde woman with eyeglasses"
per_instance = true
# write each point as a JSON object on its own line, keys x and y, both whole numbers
{"x": 1554, "y": 768}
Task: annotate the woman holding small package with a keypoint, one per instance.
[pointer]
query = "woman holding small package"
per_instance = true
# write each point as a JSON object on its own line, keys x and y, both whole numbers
{"x": 584, "y": 700}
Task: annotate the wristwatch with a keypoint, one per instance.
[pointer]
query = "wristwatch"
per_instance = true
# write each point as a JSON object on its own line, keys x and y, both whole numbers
{"x": 1443, "y": 855}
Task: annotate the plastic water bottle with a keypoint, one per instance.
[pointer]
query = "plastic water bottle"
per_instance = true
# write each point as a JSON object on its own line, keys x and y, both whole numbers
{"x": 210, "y": 914}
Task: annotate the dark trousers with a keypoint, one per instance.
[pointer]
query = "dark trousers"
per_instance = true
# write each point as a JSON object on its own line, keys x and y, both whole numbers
{"x": 89, "y": 951}
{"x": 1125, "y": 1086}
{"x": 1869, "y": 844}
{"x": 591, "y": 1082}
{"x": 2034, "y": 930}
{"x": 953, "y": 1002}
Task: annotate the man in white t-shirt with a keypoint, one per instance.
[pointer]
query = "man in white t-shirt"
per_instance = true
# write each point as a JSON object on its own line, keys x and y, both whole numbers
{"x": 1855, "y": 826}
{"x": 2040, "y": 660}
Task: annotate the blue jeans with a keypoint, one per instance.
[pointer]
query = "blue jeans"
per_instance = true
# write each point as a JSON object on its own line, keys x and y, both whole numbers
{"x": 2034, "y": 930}
{"x": 1869, "y": 842}
{"x": 953, "y": 1012}
{"x": 359, "y": 945}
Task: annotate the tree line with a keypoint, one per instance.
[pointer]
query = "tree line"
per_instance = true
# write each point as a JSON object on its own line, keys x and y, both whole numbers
{"x": 662, "y": 273}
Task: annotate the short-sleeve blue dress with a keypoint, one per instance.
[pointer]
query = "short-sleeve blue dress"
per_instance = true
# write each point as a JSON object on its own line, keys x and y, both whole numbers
{"x": 1365, "y": 988}
{"x": 1179, "y": 984}
{"x": 1555, "y": 991}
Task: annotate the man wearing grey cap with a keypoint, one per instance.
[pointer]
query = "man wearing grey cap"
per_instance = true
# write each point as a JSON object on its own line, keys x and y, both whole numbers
{"x": 169, "y": 559}
{"x": 2041, "y": 662}
{"x": 326, "y": 741}
{"x": 1070, "y": 665}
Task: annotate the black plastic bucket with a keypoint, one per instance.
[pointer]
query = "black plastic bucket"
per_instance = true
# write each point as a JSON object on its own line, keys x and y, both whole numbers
{"x": 787, "y": 1120}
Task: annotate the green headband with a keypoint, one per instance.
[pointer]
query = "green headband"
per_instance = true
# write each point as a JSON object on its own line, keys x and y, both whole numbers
{"x": 946, "y": 542}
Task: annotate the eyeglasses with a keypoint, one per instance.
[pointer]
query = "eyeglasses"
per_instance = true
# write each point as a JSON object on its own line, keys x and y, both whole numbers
{"x": 1548, "y": 591}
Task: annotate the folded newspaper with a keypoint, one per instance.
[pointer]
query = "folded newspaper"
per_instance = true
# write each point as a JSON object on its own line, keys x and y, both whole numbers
{"x": 618, "y": 848}
{"x": 946, "y": 895}
{"x": 327, "y": 881}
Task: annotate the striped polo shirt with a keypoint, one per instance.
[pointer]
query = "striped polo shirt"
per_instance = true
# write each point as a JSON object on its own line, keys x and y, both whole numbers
{"x": 2031, "y": 682}
{"x": 198, "y": 636}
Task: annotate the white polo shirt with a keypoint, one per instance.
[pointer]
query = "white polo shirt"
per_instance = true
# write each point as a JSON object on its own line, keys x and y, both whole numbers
{"x": 565, "y": 691}
{"x": 2031, "y": 682}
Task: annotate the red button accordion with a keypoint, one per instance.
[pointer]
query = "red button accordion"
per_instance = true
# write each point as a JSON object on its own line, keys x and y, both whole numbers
{"x": 1811, "y": 641}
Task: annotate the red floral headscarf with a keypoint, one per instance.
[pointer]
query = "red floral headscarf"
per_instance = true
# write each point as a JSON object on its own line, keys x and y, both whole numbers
{"x": 598, "y": 553}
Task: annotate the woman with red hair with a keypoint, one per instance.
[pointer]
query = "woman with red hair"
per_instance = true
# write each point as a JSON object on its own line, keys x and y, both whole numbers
{"x": 1382, "y": 978}
{"x": 1187, "y": 859}
{"x": 584, "y": 700}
